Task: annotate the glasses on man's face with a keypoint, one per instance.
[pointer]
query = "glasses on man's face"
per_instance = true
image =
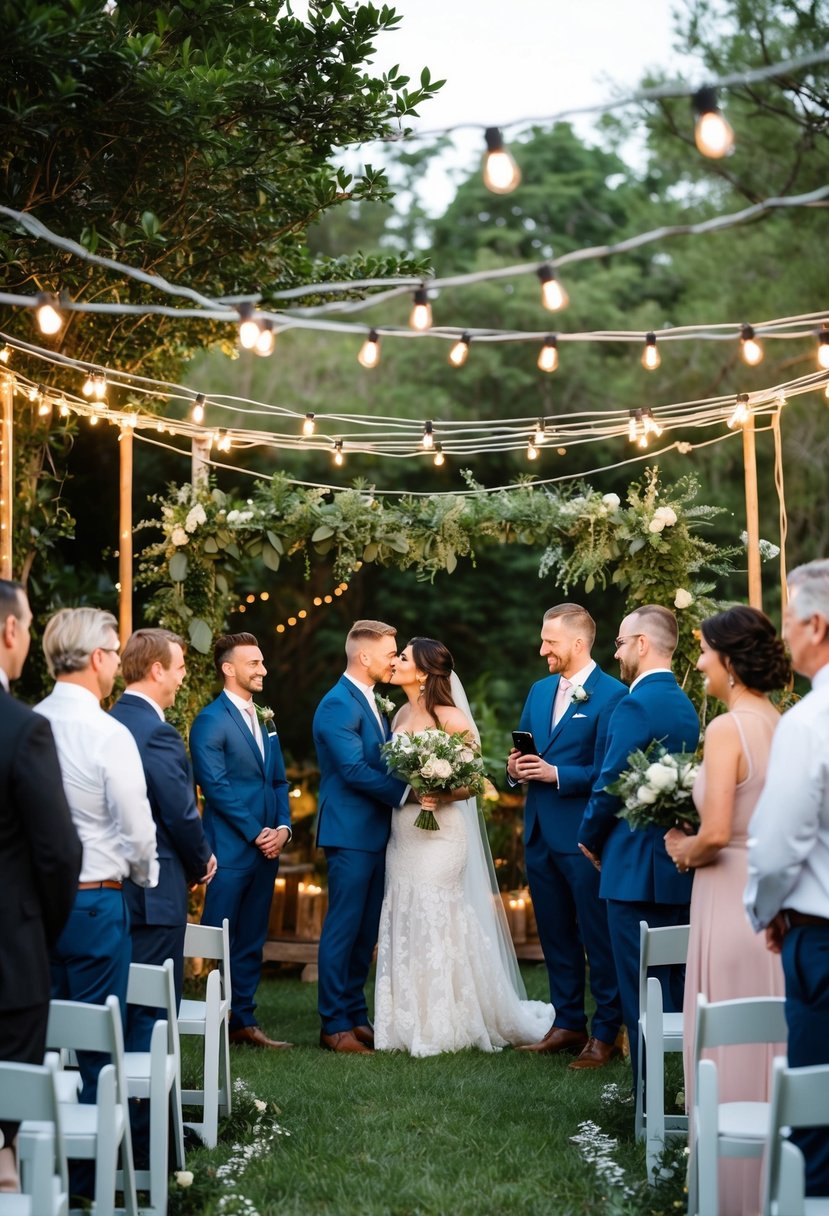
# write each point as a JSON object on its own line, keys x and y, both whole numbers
{"x": 109, "y": 649}
{"x": 621, "y": 641}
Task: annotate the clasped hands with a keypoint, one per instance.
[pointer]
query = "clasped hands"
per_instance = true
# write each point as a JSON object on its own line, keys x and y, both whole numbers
{"x": 271, "y": 841}
{"x": 530, "y": 768}
{"x": 431, "y": 802}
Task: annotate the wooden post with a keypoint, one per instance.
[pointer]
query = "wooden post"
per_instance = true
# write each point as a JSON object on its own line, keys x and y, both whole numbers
{"x": 6, "y": 475}
{"x": 199, "y": 461}
{"x": 125, "y": 537}
{"x": 755, "y": 582}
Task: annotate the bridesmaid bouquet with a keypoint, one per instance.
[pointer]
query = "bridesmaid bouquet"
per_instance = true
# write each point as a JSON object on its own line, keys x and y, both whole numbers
{"x": 432, "y": 762}
{"x": 656, "y": 789}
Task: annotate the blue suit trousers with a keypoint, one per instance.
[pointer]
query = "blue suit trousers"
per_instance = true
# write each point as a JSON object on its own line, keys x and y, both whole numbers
{"x": 349, "y": 935}
{"x": 806, "y": 968}
{"x": 244, "y": 897}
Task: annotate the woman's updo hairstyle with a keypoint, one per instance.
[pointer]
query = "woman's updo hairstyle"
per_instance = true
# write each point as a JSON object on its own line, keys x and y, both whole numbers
{"x": 434, "y": 660}
{"x": 746, "y": 637}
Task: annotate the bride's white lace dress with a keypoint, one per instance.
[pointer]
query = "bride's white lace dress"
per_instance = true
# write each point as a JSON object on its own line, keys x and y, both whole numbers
{"x": 441, "y": 982}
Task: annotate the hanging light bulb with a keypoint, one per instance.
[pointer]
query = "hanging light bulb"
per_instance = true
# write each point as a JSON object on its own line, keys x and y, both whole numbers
{"x": 649, "y": 424}
{"x": 369, "y": 355}
{"x": 99, "y": 386}
{"x": 823, "y": 349}
{"x": 266, "y": 339}
{"x": 651, "y": 357}
{"x": 309, "y": 424}
{"x": 540, "y": 433}
{"x": 421, "y": 314}
{"x": 88, "y": 385}
{"x": 713, "y": 135}
{"x": 428, "y": 440}
{"x": 460, "y": 351}
{"x": 633, "y": 424}
{"x": 553, "y": 295}
{"x": 501, "y": 173}
{"x": 48, "y": 318}
{"x": 548, "y": 355}
{"x": 223, "y": 442}
{"x": 439, "y": 456}
{"x": 532, "y": 451}
{"x": 44, "y": 407}
{"x": 5, "y": 354}
{"x": 742, "y": 412}
{"x": 248, "y": 327}
{"x": 339, "y": 458}
{"x": 63, "y": 408}
{"x": 197, "y": 413}
{"x": 752, "y": 351}
{"x": 93, "y": 419}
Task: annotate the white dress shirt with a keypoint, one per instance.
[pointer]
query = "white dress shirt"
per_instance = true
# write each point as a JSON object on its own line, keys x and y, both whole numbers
{"x": 368, "y": 692}
{"x": 251, "y": 721}
{"x": 103, "y": 779}
{"x": 788, "y": 846}
{"x": 4, "y": 679}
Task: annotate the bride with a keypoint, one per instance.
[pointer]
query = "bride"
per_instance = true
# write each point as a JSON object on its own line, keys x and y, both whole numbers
{"x": 447, "y": 975}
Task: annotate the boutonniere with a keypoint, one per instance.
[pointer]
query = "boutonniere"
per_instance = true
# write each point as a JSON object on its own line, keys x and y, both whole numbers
{"x": 579, "y": 695}
{"x": 384, "y": 704}
{"x": 265, "y": 715}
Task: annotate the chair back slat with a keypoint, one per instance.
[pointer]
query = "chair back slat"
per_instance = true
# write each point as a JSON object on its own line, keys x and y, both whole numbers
{"x": 803, "y": 1099}
{"x": 760, "y": 1019}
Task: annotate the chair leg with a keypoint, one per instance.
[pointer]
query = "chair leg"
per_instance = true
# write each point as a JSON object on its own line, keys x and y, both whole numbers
{"x": 178, "y": 1122}
{"x": 654, "y": 1082}
{"x": 225, "y": 1092}
{"x": 106, "y": 1148}
{"x": 707, "y": 1151}
{"x": 210, "y": 1117}
{"x": 639, "y": 1120}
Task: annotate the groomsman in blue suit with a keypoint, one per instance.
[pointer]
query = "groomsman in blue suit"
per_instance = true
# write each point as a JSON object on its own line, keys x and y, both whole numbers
{"x": 152, "y": 664}
{"x": 356, "y": 798}
{"x": 638, "y": 878}
{"x": 238, "y": 763}
{"x": 568, "y": 715}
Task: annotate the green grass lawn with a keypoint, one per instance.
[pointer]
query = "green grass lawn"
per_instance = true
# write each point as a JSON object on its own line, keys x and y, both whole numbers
{"x": 385, "y": 1134}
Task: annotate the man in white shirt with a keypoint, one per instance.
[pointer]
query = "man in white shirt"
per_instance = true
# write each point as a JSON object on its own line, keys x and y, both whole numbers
{"x": 104, "y": 784}
{"x": 788, "y": 857}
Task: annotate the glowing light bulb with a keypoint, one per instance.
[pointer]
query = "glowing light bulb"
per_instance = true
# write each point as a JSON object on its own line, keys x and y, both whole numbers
{"x": 93, "y": 419}
{"x": 742, "y": 412}
{"x": 501, "y": 173}
{"x": 266, "y": 339}
{"x": 5, "y": 354}
{"x": 64, "y": 408}
{"x": 649, "y": 423}
{"x": 532, "y": 451}
{"x": 88, "y": 385}
{"x": 44, "y": 408}
{"x": 369, "y": 355}
{"x": 339, "y": 458}
{"x": 197, "y": 413}
{"x": 248, "y": 327}
{"x": 421, "y": 314}
{"x": 460, "y": 351}
{"x": 548, "y": 355}
{"x": 643, "y": 440}
{"x": 439, "y": 456}
{"x": 712, "y": 134}
{"x": 223, "y": 442}
{"x": 48, "y": 318}
{"x": 823, "y": 349}
{"x": 428, "y": 440}
{"x": 309, "y": 425}
{"x": 752, "y": 351}
{"x": 540, "y": 433}
{"x": 99, "y": 386}
{"x": 553, "y": 295}
{"x": 651, "y": 357}
{"x": 633, "y": 425}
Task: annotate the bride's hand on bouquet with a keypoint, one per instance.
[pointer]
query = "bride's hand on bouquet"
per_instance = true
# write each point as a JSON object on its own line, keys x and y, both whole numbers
{"x": 429, "y": 802}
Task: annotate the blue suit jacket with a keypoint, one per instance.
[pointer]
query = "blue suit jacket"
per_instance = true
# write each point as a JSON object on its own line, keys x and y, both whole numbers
{"x": 183, "y": 851}
{"x": 242, "y": 792}
{"x": 576, "y": 745}
{"x": 635, "y": 864}
{"x": 357, "y": 792}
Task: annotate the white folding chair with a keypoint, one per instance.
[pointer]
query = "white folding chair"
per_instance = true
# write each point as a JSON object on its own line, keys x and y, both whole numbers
{"x": 99, "y": 1132}
{"x": 727, "y": 1129}
{"x": 155, "y": 1076}
{"x": 657, "y": 1032}
{"x": 799, "y": 1098}
{"x": 210, "y": 1018}
{"x": 28, "y": 1094}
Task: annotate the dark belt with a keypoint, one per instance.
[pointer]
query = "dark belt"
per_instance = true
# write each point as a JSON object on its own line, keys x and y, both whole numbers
{"x": 109, "y": 884}
{"x": 796, "y": 919}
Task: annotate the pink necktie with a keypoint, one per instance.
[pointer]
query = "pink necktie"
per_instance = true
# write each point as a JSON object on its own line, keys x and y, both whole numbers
{"x": 251, "y": 713}
{"x": 562, "y": 699}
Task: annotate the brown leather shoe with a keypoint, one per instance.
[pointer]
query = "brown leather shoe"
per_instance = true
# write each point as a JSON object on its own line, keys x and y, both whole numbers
{"x": 596, "y": 1054}
{"x": 557, "y": 1039}
{"x": 364, "y": 1034}
{"x": 343, "y": 1041}
{"x": 254, "y": 1036}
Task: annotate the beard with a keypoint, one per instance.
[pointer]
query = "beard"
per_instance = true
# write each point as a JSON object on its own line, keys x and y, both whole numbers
{"x": 628, "y": 671}
{"x": 250, "y": 683}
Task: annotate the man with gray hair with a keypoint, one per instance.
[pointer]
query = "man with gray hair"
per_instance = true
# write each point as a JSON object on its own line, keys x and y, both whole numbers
{"x": 788, "y": 849}
{"x": 104, "y": 784}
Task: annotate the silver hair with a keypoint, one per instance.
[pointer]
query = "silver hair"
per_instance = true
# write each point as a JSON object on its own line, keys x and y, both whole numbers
{"x": 72, "y": 634}
{"x": 811, "y": 581}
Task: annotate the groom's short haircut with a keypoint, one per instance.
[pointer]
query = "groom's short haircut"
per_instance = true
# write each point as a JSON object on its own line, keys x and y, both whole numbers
{"x": 365, "y": 631}
{"x": 144, "y": 648}
{"x": 658, "y": 624}
{"x": 577, "y": 619}
{"x": 226, "y": 644}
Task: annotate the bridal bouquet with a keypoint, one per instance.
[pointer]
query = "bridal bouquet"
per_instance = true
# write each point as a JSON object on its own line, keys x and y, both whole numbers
{"x": 656, "y": 789}
{"x": 432, "y": 762}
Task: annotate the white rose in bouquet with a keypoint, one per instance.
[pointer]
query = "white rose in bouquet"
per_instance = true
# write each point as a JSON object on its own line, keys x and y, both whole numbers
{"x": 689, "y": 777}
{"x": 661, "y": 776}
{"x": 666, "y": 513}
{"x": 611, "y": 501}
{"x": 178, "y": 536}
{"x": 195, "y": 516}
{"x": 646, "y": 794}
{"x": 465, "y": 756}
{"x": 656, "y": 524}
{"x": 435, "y": 767}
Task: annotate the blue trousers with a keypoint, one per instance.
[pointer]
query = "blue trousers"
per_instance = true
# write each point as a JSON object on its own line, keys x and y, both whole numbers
{"x": 571, "y": 918}
{"x": 244, "y": 897}
{"x": 349, "y": 935}
{"x": 806, "y": 968}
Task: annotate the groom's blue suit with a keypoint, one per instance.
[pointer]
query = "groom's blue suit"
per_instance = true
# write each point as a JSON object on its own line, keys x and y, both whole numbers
{"x": 564, "y": 885}
{"x": 353, "y": 826}
{"x": 243, "y": 793}
{"x": 638, "y": 878}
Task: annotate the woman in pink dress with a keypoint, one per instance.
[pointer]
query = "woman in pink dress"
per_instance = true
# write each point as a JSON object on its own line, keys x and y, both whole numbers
{"x": 742, "y": 660}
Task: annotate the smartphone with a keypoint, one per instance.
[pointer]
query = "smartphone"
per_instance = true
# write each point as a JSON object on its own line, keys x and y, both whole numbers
{"x": 524, "y": 742}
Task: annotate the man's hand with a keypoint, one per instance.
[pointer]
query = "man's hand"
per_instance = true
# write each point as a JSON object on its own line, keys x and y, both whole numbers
{"x": 212, "y": 867}
{"x": 591, "y": 857}
{"x": 533, "y": 768}
{"x": 512, "y": 764}
{"x": 776, "y": 930}
{"x": 271, "y": 841}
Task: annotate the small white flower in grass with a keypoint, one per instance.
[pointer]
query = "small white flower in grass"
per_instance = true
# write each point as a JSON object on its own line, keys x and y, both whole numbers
{"x": 260, "y": 1105}
{"x": 184, "y": 1178}
{"x": 683, "y": 598}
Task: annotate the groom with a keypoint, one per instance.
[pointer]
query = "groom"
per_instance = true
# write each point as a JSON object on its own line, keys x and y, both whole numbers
{"x": 356, "y": 798}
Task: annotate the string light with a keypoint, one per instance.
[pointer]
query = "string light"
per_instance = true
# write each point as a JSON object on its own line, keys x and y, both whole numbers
{"x": 63, "y": 408}
{"x": 751, "y": 349}
{"x": 48, "y": 318}
{"x": 540, "y": 433}
{"x": 633, "y": 424}
{"x": 712, "y": 134}
{"x": 501, "y": 173}
{"x": 532, "y": 451}
{"x": 460, "y": 351}
{"x": 548, "y": 355}
{"x": 248, "y": 327}
{"x": 265, "y": 339}
{"x": 742, "y": 412}
{"x": 823, "y": 349}
{"x": 339, "y": 458}
{"x": 309, "y": 424}
{"x": 197, "y": 413}
{"x": 651, "y": 426}
{"x": 421, "y": 314}
{"x": 651, "y": 357}
{"x": 428, "y": 440}
{"x": 553, "y": 295}
{"x": 5, "y": 354}
{"x": 369, "y": 355}
{"x": 223, "y": 442}
{"x": 439, "y": 456}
